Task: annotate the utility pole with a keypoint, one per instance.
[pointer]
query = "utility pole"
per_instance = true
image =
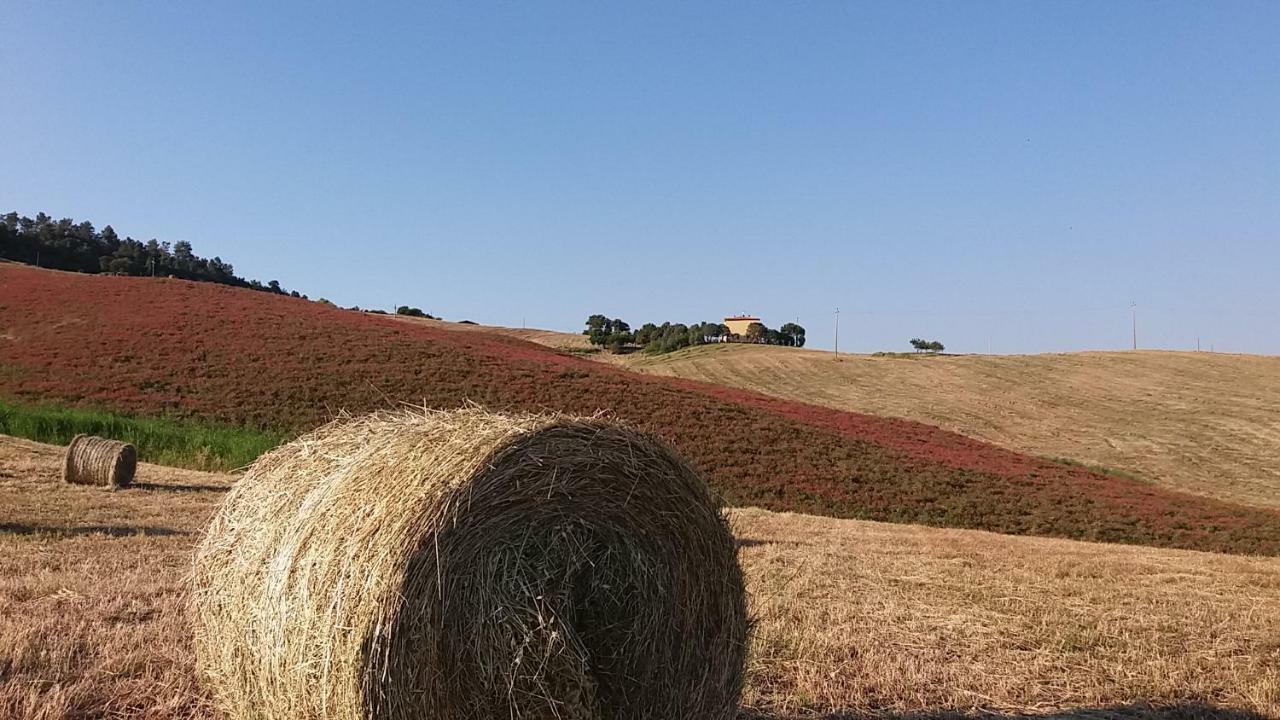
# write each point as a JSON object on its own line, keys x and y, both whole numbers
{"x": 1133, "y": 307}
{"x": 837, "y": 333}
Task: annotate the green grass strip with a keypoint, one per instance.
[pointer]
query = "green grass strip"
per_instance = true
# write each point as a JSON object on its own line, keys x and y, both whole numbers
{"x": 164, "y": 441}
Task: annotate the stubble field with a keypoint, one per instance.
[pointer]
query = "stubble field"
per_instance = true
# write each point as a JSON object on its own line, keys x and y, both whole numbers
{"x": 1206, "y": 423}
{"x": 854, "y": 618}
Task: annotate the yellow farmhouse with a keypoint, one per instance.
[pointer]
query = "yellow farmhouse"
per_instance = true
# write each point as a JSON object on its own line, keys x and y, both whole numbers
{"x": 738, "y": 324}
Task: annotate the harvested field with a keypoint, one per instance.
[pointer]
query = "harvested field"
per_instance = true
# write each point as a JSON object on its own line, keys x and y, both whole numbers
{"x": 1207, "y": 423}
{"x": 255, "y": 359}
{"x": 854, "y": 618}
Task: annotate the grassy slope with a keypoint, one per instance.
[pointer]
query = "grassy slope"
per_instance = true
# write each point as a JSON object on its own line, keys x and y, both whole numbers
{"x": 246, "y": 358}
{"x": 196, "y": 445}
{"x": 1200, "y": 422}
{"x": 889, "y": 620}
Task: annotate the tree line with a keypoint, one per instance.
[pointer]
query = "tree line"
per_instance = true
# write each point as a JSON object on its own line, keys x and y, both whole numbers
{"x": 617, "y": 335}
{"x": 76, "y": 246}
{"x": 414, "y": 312}
{"x": 931, "y": 346}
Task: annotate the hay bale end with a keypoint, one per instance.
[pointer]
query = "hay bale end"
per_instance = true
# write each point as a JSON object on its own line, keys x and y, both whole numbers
{"x": 92, "y": 460}
{"x": 464, "y": 564}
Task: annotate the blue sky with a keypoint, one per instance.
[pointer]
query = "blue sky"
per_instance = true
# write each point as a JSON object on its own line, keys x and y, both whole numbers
{"x": 1002, "y": 176}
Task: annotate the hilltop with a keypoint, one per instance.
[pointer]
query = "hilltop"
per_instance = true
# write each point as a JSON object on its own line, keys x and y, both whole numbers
{"x": 1207, "y": 423}
{"x": 200, "y": 350}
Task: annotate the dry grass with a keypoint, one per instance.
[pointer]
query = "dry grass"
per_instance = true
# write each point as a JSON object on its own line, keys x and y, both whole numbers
{"x": 1205, "y": 423}
{"x": 548, "y": 338}
{"x": 466, "y": 564}
{"x": 878, "y": 617}
{"x": 93, "y": 590}
{"x": 862, "y": 617}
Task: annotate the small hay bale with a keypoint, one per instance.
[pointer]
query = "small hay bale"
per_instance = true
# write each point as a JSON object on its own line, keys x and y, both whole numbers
{"x": 93, "y": 460}
{"x": 450, "y": 565}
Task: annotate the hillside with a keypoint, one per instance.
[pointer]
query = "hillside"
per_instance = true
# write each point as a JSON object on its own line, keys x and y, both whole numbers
{"x": 853, "y": 618}
{"x": 1205, "y": 423}
{"x": 153, "y": 346}
{"x": 547, "y": 338}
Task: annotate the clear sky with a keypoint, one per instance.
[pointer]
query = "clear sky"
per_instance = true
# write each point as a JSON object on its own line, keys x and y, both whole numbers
{"x": 1003, "y": 176}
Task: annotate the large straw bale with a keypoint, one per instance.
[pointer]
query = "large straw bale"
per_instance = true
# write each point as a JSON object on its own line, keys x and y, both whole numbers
{"x": 449, "y": 565}
{"x": 93, "y": 460}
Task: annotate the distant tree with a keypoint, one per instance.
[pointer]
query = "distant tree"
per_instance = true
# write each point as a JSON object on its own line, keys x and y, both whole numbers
{"x": 668, "y": 337}
{"x": 596, "y": 324}
{"x": 698, "y": 333}
{"x": 413, "y": 312}
{"x": 119, "y": 266}
{"x": 792, "y": 334}
{"x": 69, "y": 245}
{"x": 935, "y": 346}
{"x": 619, "y": 341}
{"x": 675, "y": 336}
{"x": 184, "y": 260}
{"x": 645, "y": 334}
{"x": 919, "y": 345}
{"x": 707, "y": 332}
{"x": 111, "y": 241}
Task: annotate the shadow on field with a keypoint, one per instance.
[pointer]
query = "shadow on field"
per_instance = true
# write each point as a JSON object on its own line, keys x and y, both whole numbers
{"x": 110, "y": 530}
{"x": 748, "y": 542}
{"x": 1136, "y": 711}
{"x": 176, "y": 488}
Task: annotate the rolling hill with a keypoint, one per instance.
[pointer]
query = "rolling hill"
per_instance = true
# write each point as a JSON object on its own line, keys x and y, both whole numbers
{"x": 1205, "y": 423}
{"x": 164, "y": 346}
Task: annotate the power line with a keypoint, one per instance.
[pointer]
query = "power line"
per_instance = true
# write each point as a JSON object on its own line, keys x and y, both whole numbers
{"x": 837, "y": 333}
{"x": 1133, "y": 306}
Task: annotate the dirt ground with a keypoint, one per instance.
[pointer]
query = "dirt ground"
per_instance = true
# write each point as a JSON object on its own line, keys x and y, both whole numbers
{"x": 854, "y": 618}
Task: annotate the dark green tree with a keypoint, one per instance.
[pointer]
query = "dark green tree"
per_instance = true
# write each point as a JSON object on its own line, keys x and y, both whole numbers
{"x": 792, "y": 335}
{"x": 645, "y": 334}
{"x": 414, "y": 312}
{"x": 596, "y": 324}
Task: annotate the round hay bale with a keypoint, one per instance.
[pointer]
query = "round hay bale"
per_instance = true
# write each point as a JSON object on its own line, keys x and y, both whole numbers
{"x": 93, "y": 460}
{"x": 448, "y": 565}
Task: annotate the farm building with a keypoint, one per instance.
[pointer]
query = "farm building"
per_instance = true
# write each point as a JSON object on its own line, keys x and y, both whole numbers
{"x": 738, "y": 324}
